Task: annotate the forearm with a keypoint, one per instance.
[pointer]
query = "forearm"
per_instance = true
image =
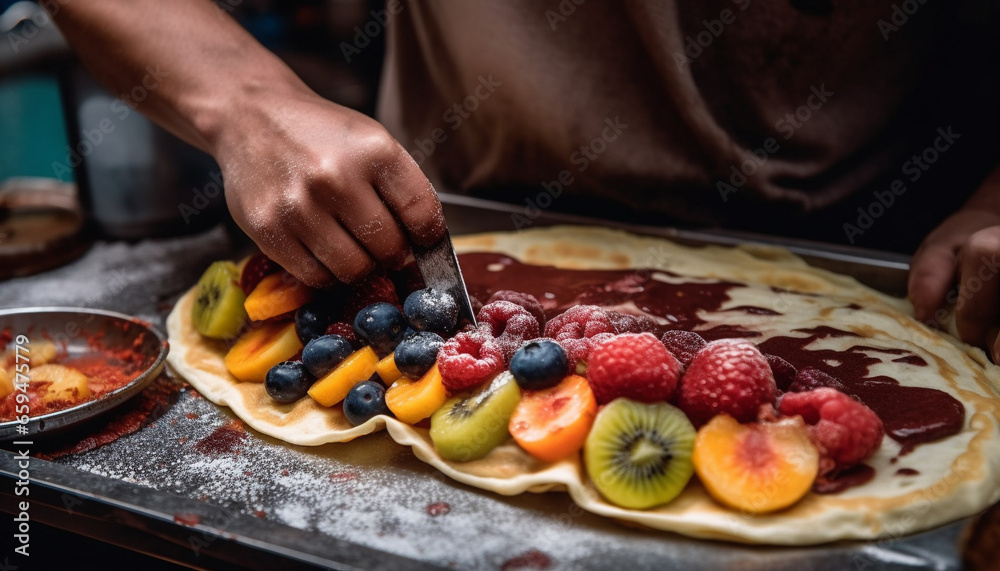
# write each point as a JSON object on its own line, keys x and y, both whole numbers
{"x": 197, "y": 67}
{"x": 986, "y": 198}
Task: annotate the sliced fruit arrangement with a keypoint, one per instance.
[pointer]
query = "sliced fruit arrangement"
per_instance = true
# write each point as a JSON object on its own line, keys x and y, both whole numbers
{"x": 644, "y": 412}
{"x": 639, "y": 455}
{"x": 756, "y": 467}
{"x": 218, "y": 310}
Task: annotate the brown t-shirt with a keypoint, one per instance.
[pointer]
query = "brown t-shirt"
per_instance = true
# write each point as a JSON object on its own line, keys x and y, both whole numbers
{"x": 705, "y": 112}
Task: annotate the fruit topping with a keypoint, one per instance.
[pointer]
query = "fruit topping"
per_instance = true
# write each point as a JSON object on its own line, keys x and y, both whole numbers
{"x": 783, "y": 371}
{"x": 757, "y": 467}
{"x": 288, "y": 381}
{"x": 261, "y": 348}
{"x": 553, "y": 423}
{"x": 638, "y": 455}
{"x": 727, "y": 376}
{"x": 574, "y": 329}
{"x": 373, "y": 289}
{"x": 417, "y": 353}
{"x": 333, "y": 387}
{"x": 413, "y": 401}
{"x": 468, "y": 359}
{"x": 468, "y": 427}
{"x": 628, "y": 323}
{"x": 254, "y": 269}
{"x": 683, "y": 344}
{"x": 539, "y": 364}
{"x": 387, "y": 371}
{"x": 380, "y": 325}
{"x": 847, "y": 431}
{"x": 431, "y": 310}
{"x": 525, "y": 300}
{"x": 810, "y": 378}
{"x": 364, "y": 401}
{"x": 633, "y": 365}
{"x": 277, "y": 294}
{"x": 323, "y": 354}
{"x": 345, "y": 330}
{"x": 509, "y": 323}
{"x": 312, "y": 319}
{"x": 218, "y": 310}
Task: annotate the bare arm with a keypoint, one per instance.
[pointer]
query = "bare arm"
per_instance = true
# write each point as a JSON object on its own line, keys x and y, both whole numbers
{"x": 323, "y": 190}
{"x": 959, "y": 263}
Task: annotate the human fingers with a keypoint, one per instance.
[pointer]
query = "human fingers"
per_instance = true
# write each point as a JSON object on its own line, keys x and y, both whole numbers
{"x": 978, "y": 288}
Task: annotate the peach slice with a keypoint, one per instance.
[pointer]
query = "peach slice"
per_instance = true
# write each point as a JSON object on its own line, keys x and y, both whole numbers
{"x": 758, "y": 467}
{"x": 261, "y": 348}
{"x": 387, "y": 370}
{"x": 553, "y": 423}
{"x": 334, "y": 386}
{"x": 276, "y": 295}
{"x": 413, "y": 401}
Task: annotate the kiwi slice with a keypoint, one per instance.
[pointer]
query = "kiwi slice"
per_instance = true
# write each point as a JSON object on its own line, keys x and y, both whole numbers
{"x": 468, "y": 427}
{"x": 638, "y": 455}
{"x": 218, "y": 306}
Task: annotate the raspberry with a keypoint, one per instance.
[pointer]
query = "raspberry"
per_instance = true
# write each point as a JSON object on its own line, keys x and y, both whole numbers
{"x": 525, "y": 300}
{"x": 810, "y": 378}
{"x": 575, "y": 327}
{"x": 632, "y": 365}
{"x": 727, "y": 376}
{"x": 783, "y": 371}
{"x": 372, "y": 289}
{"x": 628, "y": 323}
{"x": 468, "y": 359}
{"x": 683, "y": 344}
{"x": 506, "y": 318}
{"x": 256, "y": 269}
{"x": 846, "y": 430}
{"x": 345, "y": 330}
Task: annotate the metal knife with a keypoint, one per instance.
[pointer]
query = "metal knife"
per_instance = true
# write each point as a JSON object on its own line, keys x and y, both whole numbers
{"x": 438, "y": 265}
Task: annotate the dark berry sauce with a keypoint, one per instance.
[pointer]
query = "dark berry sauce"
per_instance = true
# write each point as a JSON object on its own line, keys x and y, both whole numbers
{"x": 911, "y": 415}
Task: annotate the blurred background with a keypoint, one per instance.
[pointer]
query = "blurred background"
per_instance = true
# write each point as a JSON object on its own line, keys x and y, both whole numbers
{"x": 78, "y": 163}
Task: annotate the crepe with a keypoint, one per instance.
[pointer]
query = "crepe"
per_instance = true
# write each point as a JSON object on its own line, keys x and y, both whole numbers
{"x": 955, "y": 477}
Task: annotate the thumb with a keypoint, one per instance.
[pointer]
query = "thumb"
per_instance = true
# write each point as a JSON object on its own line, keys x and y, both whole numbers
{"x": 932, "y": 272}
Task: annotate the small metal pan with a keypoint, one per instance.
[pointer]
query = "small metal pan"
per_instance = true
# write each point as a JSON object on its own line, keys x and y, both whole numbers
{"x": 74, "y": 331}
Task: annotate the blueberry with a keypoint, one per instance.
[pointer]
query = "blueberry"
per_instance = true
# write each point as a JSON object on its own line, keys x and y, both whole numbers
{"x": 539, "y": 365}
{"x": 365, "y": 400}
{"x": 288, "y": 381}
{"x": 416, "y": 353}
{"x": 311, "y": 320}
{"x": 324, "y": 353}
{"x": 380, "y": 325}
{"x": 431, "y": 310}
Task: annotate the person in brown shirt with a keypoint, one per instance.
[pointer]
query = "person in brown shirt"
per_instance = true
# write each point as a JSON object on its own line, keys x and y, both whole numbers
{"x": 830, "y": 119}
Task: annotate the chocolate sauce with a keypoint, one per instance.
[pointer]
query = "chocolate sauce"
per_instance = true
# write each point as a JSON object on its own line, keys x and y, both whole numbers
{"x": 911, "y": 415}
{"x": 854, "y": 476}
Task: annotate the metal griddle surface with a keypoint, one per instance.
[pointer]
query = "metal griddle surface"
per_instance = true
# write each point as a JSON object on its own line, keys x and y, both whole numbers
{"x": 367, "y": 503}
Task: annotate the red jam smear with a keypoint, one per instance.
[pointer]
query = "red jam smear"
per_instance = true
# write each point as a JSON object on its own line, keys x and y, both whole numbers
{"x": 911, "y": 415}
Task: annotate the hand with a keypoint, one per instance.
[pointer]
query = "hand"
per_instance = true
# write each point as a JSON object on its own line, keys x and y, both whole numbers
{"x": 323, "y": 190}
{"x": 965, "y": 247}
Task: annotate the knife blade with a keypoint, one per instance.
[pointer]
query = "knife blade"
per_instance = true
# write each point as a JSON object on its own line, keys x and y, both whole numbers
{"x": 438, "y": 265}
